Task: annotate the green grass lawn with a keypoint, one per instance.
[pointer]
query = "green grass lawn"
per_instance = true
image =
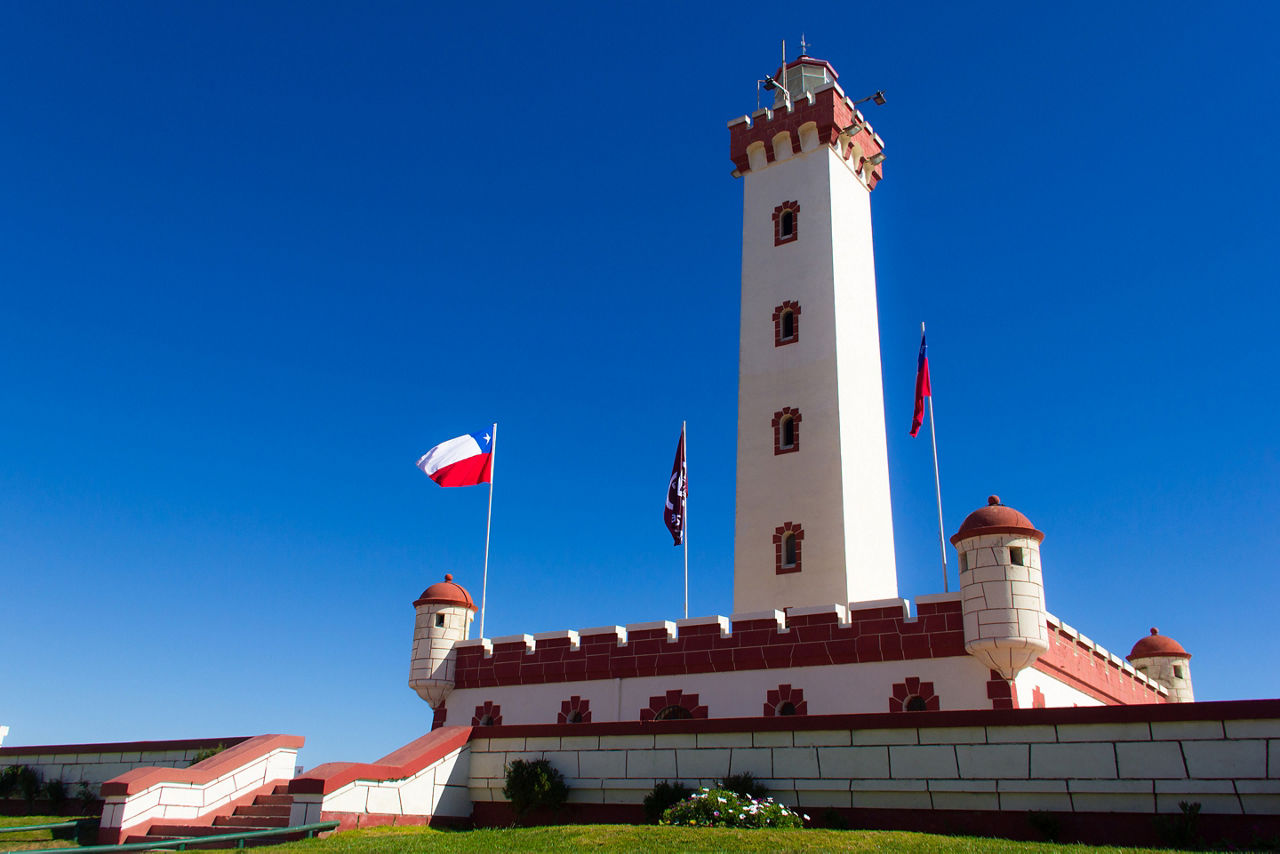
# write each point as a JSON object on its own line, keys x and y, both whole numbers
{"x": 609, "y": 837}
{"x": 34, "y": 838}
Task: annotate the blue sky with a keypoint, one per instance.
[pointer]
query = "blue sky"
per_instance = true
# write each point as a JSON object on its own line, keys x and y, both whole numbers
{"x": 255, "y": 258}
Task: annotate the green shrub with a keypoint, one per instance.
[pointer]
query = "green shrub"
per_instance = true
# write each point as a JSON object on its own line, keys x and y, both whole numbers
{"x": 723, "y": 808}
{"x": 745, "y": 785}
{"x": 9, "y": 780}
{"x": 663, "y": 795}
{"x": 56, "y": 793}
{"x": 86, "y": 796}
{"x": 534, "y": 784}
{"x": 28, "y": 784}
{"x": 202, "y": 755}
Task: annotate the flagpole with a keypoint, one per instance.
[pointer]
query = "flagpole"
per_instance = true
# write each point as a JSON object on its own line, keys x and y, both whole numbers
{"x": 684, "y": 530}
{"x": 484, "y": 584}
{"x": 937, "y": 484}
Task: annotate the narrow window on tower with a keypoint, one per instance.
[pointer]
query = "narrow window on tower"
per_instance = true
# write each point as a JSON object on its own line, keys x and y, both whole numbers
{"x": 1177, "y": 671}
{"x": 788, "y": 540}
{"x": 439, "y": 621}
{"x": 786, "y": 323}
{"x": 786, "y": 223}
{"x": 786, "y": 431}
{"x": 1015, "y": 556}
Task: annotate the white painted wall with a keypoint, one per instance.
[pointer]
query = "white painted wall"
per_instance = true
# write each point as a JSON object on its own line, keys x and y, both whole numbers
{"x": 440, "y": 789}
{"x": 960, "y": 683}
{"x": 837, "y": 485}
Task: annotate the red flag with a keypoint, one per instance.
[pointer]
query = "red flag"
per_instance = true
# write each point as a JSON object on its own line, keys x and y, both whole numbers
{"x": 922, "y": 387}
{"x": 677, "y": 492}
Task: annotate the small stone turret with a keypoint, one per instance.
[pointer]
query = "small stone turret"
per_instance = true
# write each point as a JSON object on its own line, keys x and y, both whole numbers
{"x": 1164, "y": 660}
{"x": 1004, "y": 613}
{"x": 443, "y": 617}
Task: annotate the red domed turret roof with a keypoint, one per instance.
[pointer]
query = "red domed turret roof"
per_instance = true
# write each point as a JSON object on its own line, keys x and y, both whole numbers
{"x": 995, "y": 518}
{"x": 1156, "y": 644}
{"x": 446, "y": 593}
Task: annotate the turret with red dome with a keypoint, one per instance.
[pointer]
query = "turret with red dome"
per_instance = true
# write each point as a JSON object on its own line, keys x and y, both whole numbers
{"x": 443, "y": 618}
{"x": 1004, "y": 613}
{"x": 1163, "y": 659}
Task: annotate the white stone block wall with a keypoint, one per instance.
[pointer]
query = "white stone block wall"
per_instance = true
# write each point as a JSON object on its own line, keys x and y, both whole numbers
{"x": 189, "y": 794}
{"x": 439, "y": 789}
{"x": 94, "y": 764}
{"x": 1129, "y": 766}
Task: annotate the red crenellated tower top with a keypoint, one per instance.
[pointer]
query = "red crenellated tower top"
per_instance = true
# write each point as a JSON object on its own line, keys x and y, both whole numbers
{"x": 814, "y": 111}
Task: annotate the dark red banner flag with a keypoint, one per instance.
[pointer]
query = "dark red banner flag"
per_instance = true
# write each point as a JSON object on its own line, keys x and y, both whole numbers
{"x": 677, "y": 493}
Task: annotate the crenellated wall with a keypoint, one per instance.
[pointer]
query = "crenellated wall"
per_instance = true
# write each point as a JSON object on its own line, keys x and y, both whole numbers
{"x": 616, "y": 668}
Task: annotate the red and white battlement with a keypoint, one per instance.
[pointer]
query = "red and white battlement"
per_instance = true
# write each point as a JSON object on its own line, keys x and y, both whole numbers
{"x": 823, "y": 116}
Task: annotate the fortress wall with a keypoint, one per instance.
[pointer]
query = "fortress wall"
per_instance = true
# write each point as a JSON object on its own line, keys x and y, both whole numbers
{"x": 96, "y": 763}
{"x": 1127, "y": 760}
{"x": 868, "y": 632}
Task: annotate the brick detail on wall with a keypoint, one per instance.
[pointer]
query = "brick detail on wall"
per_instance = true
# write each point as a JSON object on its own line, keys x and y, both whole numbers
{"x": 794, "y": 308}
{"x": 774, "y": 701}
{"x": 688, "y": 702}
{"x": 488, "y": 710}
{"x": 438, "y": 716}
{"x": 574, "y": 710}
{"x": 778, "y": 237}
{"x": 779, "y": 534}
{"x": 912, "y": 689}
{"x": 794, "y": 414}
{"x": 880, "y": 633}
{"x": 1002, "y": 692}
{"x": 830, "y": 110}
{"x": 1087, "y": 668}
{"x": 871, "y": 634}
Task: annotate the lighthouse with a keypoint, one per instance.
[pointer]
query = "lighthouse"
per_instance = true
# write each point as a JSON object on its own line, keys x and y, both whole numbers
{"x": 813, "y": 520}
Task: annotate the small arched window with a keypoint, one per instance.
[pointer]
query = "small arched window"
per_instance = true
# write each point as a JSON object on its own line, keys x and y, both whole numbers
{"x": 673, "y": 713}
{"x": 787, "y": 709}
{"x": 917, "y": 704}
{"x": 786, "y": 323}
{"x": 786, "y": 223}
{"x": 575, "y": 717}
{"x": 786, "y": 430}
{"x": 486, "y": 720}
{"x": 787, "y": 542}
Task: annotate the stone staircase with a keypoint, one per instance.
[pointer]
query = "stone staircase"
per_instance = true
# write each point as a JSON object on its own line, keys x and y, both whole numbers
{"x": 269, "y": 810}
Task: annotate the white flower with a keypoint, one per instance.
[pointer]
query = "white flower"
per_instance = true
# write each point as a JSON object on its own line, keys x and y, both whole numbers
{"x": 806, "y": 818}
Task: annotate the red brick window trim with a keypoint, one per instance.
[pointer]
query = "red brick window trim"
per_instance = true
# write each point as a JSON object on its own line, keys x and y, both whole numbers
{"x": 673, "y": 705}
{"x": 786, "y": 323}
{"x": 786, "y": 430}
{"x": 787, "y": 541}
{"x": 912, "y": 695}
{"x": 574, "y": 710}
{"x": 1002, "y": 693}
{"x": 490, "y": 714}
{"x": 786, "y": 223}
{"x": 785, "y": 701}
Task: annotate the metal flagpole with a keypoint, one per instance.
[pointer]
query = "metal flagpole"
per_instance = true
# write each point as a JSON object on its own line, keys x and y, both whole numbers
{"x": 493, "y": 464}
{"x": 937, "y": 482}
{"x": 684, "y": 529}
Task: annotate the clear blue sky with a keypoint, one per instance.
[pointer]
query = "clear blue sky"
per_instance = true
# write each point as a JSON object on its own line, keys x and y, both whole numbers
{"x": 255, "y": 258}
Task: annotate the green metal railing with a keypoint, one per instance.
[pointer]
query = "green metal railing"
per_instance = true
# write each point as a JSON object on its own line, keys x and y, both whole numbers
{"x": 58, "y": 825}
{"x": 309, "y": 830}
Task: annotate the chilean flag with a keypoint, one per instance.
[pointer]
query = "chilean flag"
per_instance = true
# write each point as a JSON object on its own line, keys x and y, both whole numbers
{"x": 464, "y": 461}
{"x": 922, "y": 386}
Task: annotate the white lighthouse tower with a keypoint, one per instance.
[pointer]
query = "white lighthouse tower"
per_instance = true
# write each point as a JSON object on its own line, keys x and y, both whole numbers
{"x": 813, "y": 519}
